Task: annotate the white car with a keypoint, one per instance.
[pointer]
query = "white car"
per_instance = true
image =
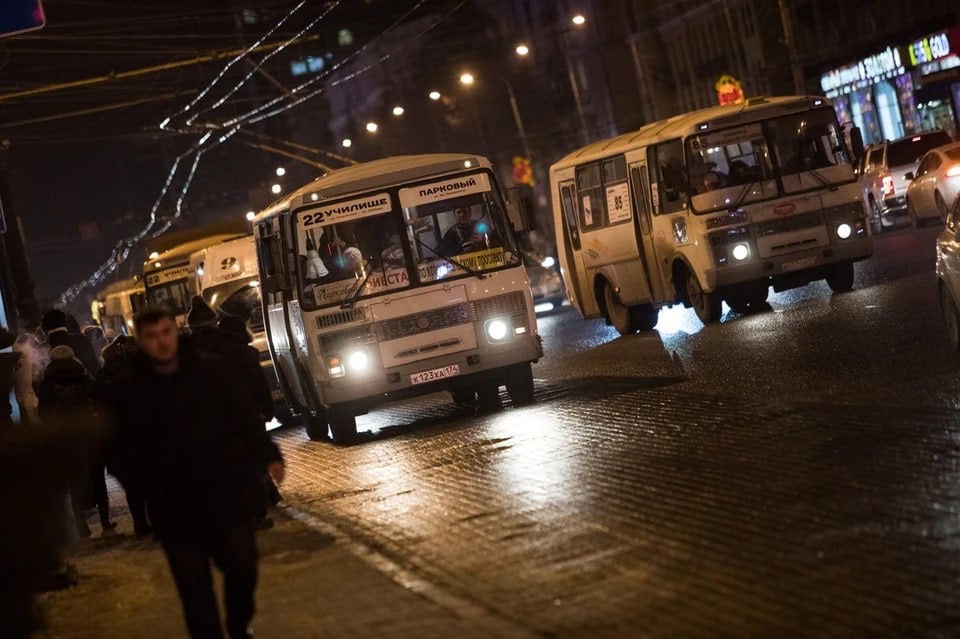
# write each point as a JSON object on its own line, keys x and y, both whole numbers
{"x": 936, "y": 184}
{"x": 948, "y": 273}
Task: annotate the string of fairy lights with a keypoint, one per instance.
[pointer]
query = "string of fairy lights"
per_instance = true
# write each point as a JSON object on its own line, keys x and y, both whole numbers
{"x": 213, "y": 133}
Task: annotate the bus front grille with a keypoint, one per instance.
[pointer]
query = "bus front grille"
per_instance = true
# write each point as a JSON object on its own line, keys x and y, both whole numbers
{"x": 341, "y": 341}
{"x": 787, "y": 224}
{"x": 424, "y": 322}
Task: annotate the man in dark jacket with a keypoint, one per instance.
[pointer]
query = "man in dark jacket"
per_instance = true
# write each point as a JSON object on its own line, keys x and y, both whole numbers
{"x": 236, "y": 351}
{"x": 54, "y": 325}
{"x": 202, "y": 322}
{"x": 192, "y": 441}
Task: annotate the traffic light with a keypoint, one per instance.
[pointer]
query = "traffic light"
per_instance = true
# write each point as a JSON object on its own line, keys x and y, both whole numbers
{"x": 20, "y": 16}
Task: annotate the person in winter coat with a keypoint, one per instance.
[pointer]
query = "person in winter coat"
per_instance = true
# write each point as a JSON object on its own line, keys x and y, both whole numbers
{"x": 118, "y": 359}
{"x": 97, "y": 339}
{"x": 65, "y": 398}
{"x": 189, "y": 435}
{"x": 202, "y": 322}
{"x": 54, "y": 325}
{"x": 235, "y": 350}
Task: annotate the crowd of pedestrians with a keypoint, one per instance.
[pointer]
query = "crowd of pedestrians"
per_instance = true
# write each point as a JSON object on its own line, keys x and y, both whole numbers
{"x": 176, "y": 416}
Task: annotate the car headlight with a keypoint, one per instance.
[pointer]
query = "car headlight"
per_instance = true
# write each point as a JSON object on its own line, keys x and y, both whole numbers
{"x": 740, "y": 252}
{"x": 358, "y": 361}
{"x": 844, "y": 231}
{"x": 497, "y": 330}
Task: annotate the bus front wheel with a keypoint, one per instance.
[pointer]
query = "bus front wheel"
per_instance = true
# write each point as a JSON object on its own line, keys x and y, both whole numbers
{"x": 343, "y": 425}
{"x": 618, "y": 314}
{"x": 316, "y": 426}
{"x": 708, "y": 306}
{"x": 840, "y": 277}
{"x": 520, "y": 384}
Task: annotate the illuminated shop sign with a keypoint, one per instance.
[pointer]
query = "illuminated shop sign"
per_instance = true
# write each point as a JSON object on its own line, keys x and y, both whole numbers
{"x": 879, "y": 66}
{"x": 937, "y": 52}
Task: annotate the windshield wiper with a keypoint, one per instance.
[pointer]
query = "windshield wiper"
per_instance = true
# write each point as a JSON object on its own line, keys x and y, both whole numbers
{"x": 741, "y": 196}
{"x": 450, "y": 260}
{"x": 355, "y": 292}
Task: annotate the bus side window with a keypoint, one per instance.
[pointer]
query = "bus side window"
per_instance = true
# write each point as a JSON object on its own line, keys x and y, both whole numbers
{"x": 570, "y": 216}
{"x": 591, "y": 202}
{"x": 669, "y": 187}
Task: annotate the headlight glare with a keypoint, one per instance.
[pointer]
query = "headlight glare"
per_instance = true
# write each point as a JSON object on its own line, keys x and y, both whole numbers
{"x": 358, "y": 361}
{"x": 497, "y": 329}
{"x": 740, "y": 252}
{"x": 844, "y": 231}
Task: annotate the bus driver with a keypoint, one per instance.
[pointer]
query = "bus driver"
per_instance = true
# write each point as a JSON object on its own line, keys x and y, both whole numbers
{"x": 461, "y": 235}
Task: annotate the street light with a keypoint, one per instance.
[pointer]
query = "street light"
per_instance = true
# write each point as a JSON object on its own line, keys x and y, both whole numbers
{"x": 347, "y": 143}
{"x": 372, "y": 127}
{"x": 281, "y": 171}
{"x": 398, "y": 110}
{"x": 578, "y": 20}
{"x": 522, "y": 50}
{"x": 467, "y": 79}
{"x": 251, "y": 215}
{"x": 434, "y": 95}
{"x": 275, "y": 189}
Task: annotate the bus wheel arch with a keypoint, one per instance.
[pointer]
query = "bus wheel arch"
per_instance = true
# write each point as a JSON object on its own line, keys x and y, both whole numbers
{"x": 708, "y": 305}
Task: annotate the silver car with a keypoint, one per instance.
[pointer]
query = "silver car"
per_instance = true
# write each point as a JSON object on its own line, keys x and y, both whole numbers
{"x": 886, "y": 168}
{"x": 935, "y": 185}
{"x": 948, "y": 273}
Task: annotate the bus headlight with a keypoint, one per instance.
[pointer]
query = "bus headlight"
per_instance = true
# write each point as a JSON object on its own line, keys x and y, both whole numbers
{"x": 358, "y": 361}
{"x": 844, "y": 231}
{"x": 740, "y": 252}
{"x": 497, "y": 330}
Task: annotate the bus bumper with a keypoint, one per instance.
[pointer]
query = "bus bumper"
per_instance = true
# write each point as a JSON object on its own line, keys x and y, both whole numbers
{"x": 475, "y": 366}
{"x": 791, "y": 269}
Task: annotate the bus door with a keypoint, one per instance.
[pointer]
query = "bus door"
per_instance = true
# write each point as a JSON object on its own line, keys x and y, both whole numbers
{"x": 643, "y": 227}
{"x": 572, "y": 247}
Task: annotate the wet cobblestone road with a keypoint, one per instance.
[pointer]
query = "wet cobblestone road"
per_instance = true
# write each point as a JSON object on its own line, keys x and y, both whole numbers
{"x": 790, "y": 473}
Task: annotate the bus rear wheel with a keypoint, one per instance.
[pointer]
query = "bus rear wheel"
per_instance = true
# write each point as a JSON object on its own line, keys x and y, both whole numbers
{"x": 316, "y": 426}
{"x": 628, "y": 319}
{"x": 707, "y": 306}
{"x": 840, "y": 277}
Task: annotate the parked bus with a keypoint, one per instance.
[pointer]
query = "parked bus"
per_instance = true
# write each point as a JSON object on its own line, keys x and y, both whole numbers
{"x": 392, "y": 279}
{"x": 710, "y": 206}
{"x": 167, "y": 270}
{"x": 116, "y": 305}
{"x": 227, "y": 277}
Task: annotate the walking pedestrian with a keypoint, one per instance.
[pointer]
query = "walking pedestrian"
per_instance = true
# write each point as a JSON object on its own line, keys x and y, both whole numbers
{"x": 118, "y": 358}
{"x": 202, "y": 322}
{"x": 65, "y": 401}
{"x": 31, "y": 361}
{"x": 54, "y": 324}
{"x": 189, "y": 434}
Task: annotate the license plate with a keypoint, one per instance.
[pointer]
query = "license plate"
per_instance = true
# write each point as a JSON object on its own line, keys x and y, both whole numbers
{"x": 433, "y": 375}
{"x": 796, "y": 265}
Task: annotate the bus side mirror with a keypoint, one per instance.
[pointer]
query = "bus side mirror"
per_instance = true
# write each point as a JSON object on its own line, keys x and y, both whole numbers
{"x": 520, "y": 212}
{"x": 273, "y": 272}
{"x": 856, "y": 144}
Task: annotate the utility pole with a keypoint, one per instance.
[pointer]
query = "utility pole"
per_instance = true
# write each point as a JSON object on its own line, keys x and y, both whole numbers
{"x": 798, "y": 84}
{"x": 15, "y": 255}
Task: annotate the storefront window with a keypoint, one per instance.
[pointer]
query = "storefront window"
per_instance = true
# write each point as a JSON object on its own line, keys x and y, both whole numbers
{"x": 861, "y": 105}
{"x": 891, "y": 122}
{"x": 908, "y": 103}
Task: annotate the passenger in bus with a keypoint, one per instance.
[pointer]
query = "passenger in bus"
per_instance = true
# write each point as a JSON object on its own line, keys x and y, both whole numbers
{"x": 463, "y": 236}
{"x": 713, "y": 181}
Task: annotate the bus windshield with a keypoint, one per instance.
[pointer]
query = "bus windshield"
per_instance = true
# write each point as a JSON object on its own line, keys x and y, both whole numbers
{"x": 350, "y": 245}
{"x": 456, "y": 227}
{"x": 172, "y": 294}
{"x": 737, "y": 165}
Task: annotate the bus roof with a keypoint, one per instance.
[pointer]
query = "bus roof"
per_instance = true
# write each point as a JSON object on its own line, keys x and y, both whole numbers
{"x": 180, "y": 254}
{"x": 132, "y": 284}
{"x": 373, "y": 175}
{"x": 687, "y": 123}
{"x": 172, "y": 239}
